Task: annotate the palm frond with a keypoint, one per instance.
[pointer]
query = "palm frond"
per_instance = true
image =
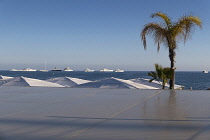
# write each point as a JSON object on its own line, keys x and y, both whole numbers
{"x": 151, "y": 80}
{"x": 168, "y": 72}
{"x": 156, "y": 30}
{"x": 164, "y": 17}
{"x": 159, "y": 70}
{"x": 153, "y": 75}
{"x": 184, "y": 26}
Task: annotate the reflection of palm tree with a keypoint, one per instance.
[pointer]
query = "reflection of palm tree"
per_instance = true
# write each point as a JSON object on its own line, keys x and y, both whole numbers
{"x": 173, "y": 113}
{"x": 172, "y": 105}
{"x": 168, "y": 33}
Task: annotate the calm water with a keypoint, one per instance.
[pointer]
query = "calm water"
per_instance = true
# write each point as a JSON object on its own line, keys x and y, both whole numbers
{"x": 196, "y": 80}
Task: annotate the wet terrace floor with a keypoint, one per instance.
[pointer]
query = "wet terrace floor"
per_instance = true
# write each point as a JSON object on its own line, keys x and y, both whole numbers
{"x": 34, "y": 113}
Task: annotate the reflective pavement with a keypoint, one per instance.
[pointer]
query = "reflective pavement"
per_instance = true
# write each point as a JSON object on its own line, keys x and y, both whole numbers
{"x": 35, "y": 113}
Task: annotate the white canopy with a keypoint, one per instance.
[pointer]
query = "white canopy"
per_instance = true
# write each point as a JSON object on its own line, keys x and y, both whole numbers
{"x": 5, "y": 77}
{"x": 154, "y": 83}
{"x": 68, "y": 81}
{"x": 29, "y": 82}
{"x": 114, "y": 83}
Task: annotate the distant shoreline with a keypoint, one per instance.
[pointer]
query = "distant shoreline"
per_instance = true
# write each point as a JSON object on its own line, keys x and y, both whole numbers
{"x": 98, "y": 71}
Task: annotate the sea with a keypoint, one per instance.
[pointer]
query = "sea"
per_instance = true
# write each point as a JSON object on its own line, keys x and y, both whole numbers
{"x": 195, "y": 80}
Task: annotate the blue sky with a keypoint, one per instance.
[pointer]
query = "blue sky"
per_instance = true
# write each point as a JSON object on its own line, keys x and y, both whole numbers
{"x": 95, "y": 34}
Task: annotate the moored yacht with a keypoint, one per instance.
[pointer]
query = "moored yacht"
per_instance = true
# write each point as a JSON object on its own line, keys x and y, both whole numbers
{"x": 106, "y": 70}
{"x": 88, "y": 70}
{"x": 14, "y": 70}
{"x": 28, "y": 69}
{"x": 205, "y": 71}
{"x": 67, "y": 69}
{"x": 25, "y": 69}
{"x": 45, "y": 67}
{"x": 118, "y": 70}
{"x": 43, "y": 70}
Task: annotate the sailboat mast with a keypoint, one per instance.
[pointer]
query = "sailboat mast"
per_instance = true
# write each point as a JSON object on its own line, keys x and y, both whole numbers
{"x": 45, "y": 65}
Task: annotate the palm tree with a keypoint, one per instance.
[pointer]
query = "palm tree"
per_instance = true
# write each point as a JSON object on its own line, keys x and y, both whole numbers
{"x": 169, "y": 33}
{"x": 161, "y": 74}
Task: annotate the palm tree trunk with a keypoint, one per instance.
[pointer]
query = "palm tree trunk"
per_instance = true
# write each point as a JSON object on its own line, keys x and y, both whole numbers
{"x": 172, "y": 55}
{"x": 163, "y": 86}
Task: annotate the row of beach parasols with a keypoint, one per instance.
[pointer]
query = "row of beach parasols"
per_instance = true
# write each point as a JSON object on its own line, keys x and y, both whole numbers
{"x": 138, "y": 83}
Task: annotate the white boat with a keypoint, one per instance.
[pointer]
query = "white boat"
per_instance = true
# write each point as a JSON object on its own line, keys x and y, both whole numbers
{"x": 14, "y": 70}
{"x": 45, "y": 67}
{"x": 106, "y": 70}
{"x": 88, "y": 70}
{"x": 205, "y": 71}
{"x": 28, "y": 69}
{"x": 118, "y": 70}
{"x": 25, "y": 69}
{"x": 43, "y": 70}
{"x": 67, "y": 69}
